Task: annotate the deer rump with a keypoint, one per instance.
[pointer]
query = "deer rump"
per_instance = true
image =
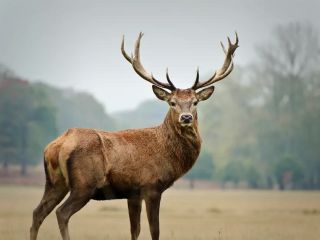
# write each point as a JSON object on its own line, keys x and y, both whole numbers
{"x": 109, "y": 163}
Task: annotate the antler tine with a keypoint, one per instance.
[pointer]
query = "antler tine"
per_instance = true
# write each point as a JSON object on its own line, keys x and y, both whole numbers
{"x": 237, "y": 38}
{"x": 223, "y": 48}
{"x": 138, "y": 67}
{"x": 126, "y": 56}
{"x": 168, "y": 80}
{"x": 226, "y": 68}
{"x": 196, "y": 82}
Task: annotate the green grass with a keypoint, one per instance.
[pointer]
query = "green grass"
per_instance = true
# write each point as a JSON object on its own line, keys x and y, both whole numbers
{"x": 199, "y": 214}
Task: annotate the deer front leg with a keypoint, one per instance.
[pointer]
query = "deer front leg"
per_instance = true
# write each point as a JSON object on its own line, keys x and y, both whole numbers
{"x": 153, "y": 207}
{"x": 134, "y": 206}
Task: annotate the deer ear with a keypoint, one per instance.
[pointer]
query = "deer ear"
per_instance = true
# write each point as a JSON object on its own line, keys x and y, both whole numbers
{"x": 160, "y": 93}
{"x": 205, "y": 93}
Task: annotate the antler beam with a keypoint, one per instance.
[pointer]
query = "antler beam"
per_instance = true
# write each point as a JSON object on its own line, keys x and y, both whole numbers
{"x": 140, "y": 70}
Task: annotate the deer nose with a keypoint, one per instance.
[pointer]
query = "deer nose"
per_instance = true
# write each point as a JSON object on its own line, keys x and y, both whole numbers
{"x": 186, "y": 118}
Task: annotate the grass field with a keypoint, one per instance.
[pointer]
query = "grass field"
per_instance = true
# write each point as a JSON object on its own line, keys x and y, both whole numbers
{"x": 198, "y": 214}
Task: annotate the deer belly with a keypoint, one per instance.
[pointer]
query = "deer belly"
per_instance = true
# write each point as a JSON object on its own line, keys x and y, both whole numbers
{"x": 109, "y": 192}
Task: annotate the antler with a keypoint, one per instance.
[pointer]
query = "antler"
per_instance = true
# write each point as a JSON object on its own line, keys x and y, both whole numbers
{"x": 137, "y": 66}
{"x": 224, "y": 71}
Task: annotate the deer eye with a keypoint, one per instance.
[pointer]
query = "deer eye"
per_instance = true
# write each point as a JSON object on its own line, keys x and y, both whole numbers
{"x": 195, "y": 103}
{"x": 172, "y": 104}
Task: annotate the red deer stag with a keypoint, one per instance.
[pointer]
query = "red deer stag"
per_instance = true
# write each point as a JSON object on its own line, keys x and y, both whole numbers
{"x": 136, "y": 164}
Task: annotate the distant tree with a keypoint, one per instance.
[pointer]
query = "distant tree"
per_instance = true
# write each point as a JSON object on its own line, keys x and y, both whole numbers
{"x": 288, "y": 172}
{"x": 288, "y": 75}
{"x": 27, "y": 122}
{"x": 229, "y": 128}
{"x": 233, "y": 172}
{"x": 203, "y": 168}
{"x": 253, "y": 176}
{"x": 77, "y": 109}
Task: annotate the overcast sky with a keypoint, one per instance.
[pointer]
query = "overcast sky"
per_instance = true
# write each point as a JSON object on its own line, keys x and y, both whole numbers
{"x": 77, "y": 43}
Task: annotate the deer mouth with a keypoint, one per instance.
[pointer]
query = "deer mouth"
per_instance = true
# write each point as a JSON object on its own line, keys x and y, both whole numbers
{"x": 186, "y": 124}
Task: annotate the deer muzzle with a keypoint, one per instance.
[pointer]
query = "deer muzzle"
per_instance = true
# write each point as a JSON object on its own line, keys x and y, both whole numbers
{"x": 185, "y": 119}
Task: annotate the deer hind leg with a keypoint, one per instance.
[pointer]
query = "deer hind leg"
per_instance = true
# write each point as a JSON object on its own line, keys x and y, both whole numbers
{"x": 134, "y": 206}
{"x": 52, "y": 196}
{"x": 153, "y": 207}
{"x": 77, "y": 200}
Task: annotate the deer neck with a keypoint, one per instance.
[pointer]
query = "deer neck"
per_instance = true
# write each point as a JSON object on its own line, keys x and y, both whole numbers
{"x": 183, "y": 143}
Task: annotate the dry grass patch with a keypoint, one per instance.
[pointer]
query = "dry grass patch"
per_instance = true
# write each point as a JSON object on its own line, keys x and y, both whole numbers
{"x": 187, "y": 215}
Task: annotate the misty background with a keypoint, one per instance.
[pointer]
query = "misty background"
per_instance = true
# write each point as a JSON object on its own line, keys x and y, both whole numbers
{"x": 61, "y": 67}
{"x": 76, "y": 44}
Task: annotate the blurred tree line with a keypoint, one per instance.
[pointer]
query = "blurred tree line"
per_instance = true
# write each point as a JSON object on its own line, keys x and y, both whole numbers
{"x": 26, "y": 121}
{"x": 264, "y": 125}
{"x": 261, "y": 127}
{"x": 33, "y": 114}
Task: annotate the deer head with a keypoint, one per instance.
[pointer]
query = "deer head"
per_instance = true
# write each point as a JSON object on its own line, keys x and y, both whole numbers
{"x": 183, "y": 102}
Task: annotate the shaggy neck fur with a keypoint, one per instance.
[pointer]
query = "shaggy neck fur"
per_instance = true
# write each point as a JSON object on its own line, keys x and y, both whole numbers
{"x": 184, "y": 143}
